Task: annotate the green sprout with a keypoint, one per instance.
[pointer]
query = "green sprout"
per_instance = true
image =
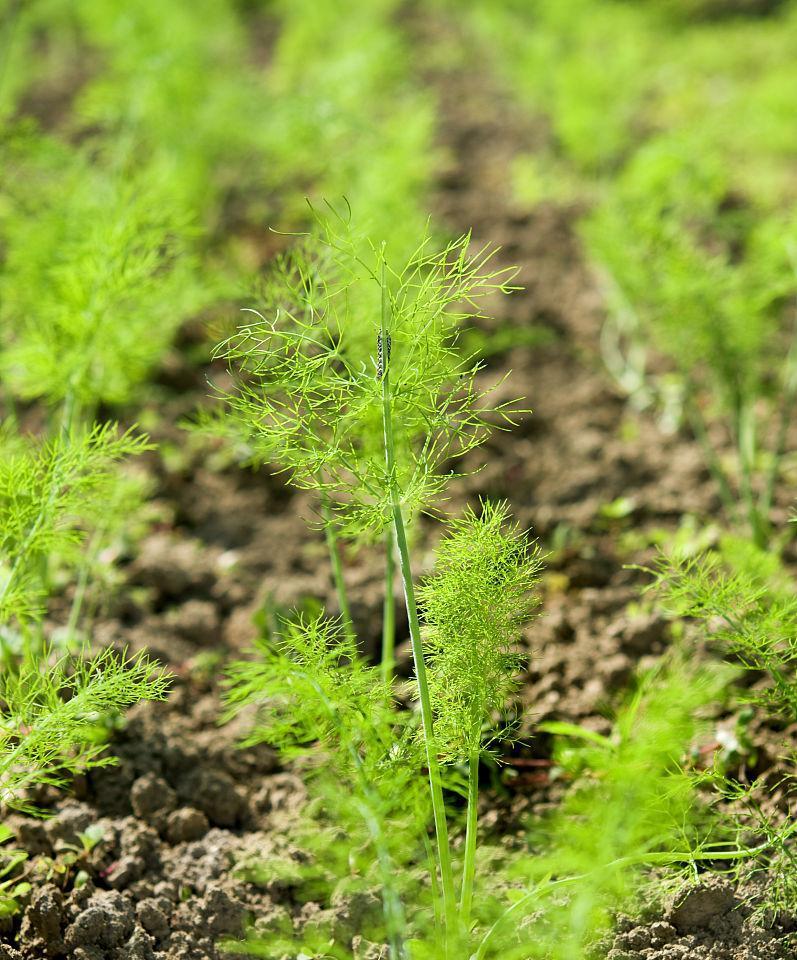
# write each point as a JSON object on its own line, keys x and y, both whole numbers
{"x": 741, "y": 596}
{"x": 715, "y": 312}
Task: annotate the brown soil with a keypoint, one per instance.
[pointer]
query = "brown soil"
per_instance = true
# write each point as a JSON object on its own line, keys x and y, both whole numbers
{"x": 184, "y": 802}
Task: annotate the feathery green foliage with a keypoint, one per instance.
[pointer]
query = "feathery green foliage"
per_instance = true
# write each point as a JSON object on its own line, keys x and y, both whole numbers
{"x": 744, "y": 602}
{"x": 50, "y": 712}
{"x": 748, "y": 606}
{"x": 310, "y": 394}
{"x": 312, "y": 689}
{"x": 633, "y": 804}
{"x": 98, "y": 275}
{"x": 307, "y": 396}
{"x": 314, "y": 695}
{"x": 50, "y": 494}
{"x": 350, "y": 117}
{"x": 474, "y": 608}
{"x": 308, "y": 389}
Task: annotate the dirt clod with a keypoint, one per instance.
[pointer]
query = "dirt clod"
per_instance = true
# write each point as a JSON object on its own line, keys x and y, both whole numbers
{"x": 186, "y": 824}
{"x": 705, "y": 906}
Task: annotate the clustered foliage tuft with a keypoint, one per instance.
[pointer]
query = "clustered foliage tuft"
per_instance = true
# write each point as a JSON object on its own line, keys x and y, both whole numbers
{"x": 98, "y": 276}
{"x": 632, "y": 804}
{"x": 307, "y": 398}
{"x": 52, "y": 714}
{"x": 315, "y": 696}
{"x": 748, "y": 607}
{"x": 474, "y": 609}
{"x": 50, "y": 494}
{"x": 312, "y": 688}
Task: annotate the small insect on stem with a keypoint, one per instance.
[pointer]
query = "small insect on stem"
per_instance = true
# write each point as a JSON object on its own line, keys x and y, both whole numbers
{"x": 380, "y": 357}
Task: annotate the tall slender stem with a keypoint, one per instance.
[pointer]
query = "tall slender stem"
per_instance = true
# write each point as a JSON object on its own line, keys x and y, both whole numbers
{"x": 389, "y": 611}
{"x": 746, "y": 439}
{"x": 712, "y": 460}
{"x": 79, "y": 597}
{"x": 469, "y": 869}
{"x": 787, "y": 407}
{"x": 435, "y": 782}
{"x": 337, "y": 569}
{"x": 435, "y": 884}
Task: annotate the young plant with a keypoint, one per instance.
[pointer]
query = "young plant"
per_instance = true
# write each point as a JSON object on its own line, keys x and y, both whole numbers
{"x": 744, "y": 602}
{"x": 747, "y": 604}
{"x": 633, "y": 804}
{"x": 50, "y": 495}
{"x": 50, "y": 705}
{"x": 315, "y": 695}
{"x": 98, "y": 275}
{"x": 307, "y": 395}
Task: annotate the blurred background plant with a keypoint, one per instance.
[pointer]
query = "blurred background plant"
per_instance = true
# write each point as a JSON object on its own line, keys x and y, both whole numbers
{"x": 667, "y": 119}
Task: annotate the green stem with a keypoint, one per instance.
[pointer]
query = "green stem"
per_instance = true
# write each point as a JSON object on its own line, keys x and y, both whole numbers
{"x": 389, "y": 611}
{"x": 435, "y": 885}
{"x": 712, "y": 460}
{"x": 337, "y": 569}
{"x": 746, "y": 440}
{"x": 787, "y": 406}
{"x": 435, "y": 782}
{"x": 469, "y": 869}
{"x": 79, "y": 597}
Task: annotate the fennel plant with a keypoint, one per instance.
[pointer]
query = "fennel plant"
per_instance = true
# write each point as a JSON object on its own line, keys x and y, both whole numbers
{"x": 351, "y": 341}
